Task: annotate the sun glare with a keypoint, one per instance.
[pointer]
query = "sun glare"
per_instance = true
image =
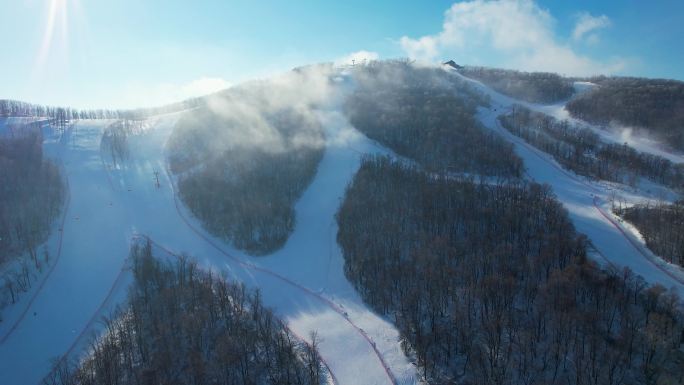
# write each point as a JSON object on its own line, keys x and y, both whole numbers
{"x": 57, "y": 23}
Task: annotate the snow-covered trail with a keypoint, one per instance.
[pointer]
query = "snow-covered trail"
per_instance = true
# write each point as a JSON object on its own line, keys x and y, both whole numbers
{"x": 94, "y": 248}
{"x": 304, "y": 282}
{"x": 611, "y": 134}
{"x": 14, "y": 314}
{"x": 586, "y": 202}
{"x": 558, "y": 111}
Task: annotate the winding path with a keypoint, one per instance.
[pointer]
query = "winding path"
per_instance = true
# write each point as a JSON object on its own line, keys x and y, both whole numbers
{"x": 282, "y": 278}
{"x": 580, "y": 197}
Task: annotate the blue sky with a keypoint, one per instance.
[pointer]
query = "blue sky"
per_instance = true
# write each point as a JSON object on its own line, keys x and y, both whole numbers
{"x": 126, "y": 53}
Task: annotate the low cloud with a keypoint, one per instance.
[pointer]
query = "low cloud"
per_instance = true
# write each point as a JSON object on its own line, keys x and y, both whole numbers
{"x": 358, "y": 57}
{"x": 250, "y": 110}
{"x": 507, "y": 33}
{"x": 202, "y": 86}
{"x": 145, "y": 95}
{"x": 587, "y": 25}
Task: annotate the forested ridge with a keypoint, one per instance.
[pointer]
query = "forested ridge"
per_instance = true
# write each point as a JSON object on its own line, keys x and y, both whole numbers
{"x": 582, "y": 151}
{"x": 32, "y": 192}
{"x": 661, "y": 225}
{"x": 243, "y": 191}
{"x": 428, "y": 115}
{"x": 183, "y": 325}
{"x": 534, "y": 87}
{"x": 61, "y": 115}
{"x": 490, "y": 284}
{"x": 654, "y": 106}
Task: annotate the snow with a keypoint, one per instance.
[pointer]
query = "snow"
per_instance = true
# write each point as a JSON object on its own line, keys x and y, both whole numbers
{"x": 304, "y": 281}
{"x": 639, "y": 142}
{"x": 12, "y": 126}
{"x": 578, "y": 196}
{"x": 110, "y": 205}
{"x": 557, "y": 110}
{"x": 93, "y": 250}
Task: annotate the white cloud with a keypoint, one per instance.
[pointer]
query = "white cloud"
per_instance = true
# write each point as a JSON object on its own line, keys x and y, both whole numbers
{"x": 252, "y": 104}
{"x": 587, "y": 24}
{"x": 146, "y": 95}
{"x": 358, "y": 57}
{"x": 508, "y": 33}
{"x": 202, "y": 86}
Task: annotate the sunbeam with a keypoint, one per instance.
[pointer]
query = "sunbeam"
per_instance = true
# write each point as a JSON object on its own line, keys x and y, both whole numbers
{"x": 57, "y": 14}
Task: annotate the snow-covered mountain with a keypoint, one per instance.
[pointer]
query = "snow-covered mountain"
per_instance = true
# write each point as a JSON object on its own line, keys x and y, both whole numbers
{"x": 142, "y": 182}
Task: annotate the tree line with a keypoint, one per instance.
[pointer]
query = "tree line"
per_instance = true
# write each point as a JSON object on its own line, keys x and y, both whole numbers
{"x": 534, "y": 87}
{"x": 183, "y": 325}
{"x": 428, "y": 115}
{"x": 59, "y": 116}
{"x": 582, "y": 151}
{"x": 661, "y": 225}
{"x": 490, "y": 284}
{"x": 654, "y": 106}
{"x": 32, "y": 192}
{"x": 114, "y": 140}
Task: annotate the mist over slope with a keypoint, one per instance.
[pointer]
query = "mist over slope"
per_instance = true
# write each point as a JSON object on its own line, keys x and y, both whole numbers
{"x": 246, "y": 157}
{"x": 652, "y": 107}
{"x": 649, "y": 108}
{"x": 428, "y": 115}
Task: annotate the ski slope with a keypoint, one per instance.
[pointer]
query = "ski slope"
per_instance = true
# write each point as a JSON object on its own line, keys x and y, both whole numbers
{"x": 94, "y": 246}
{"x": 112, "y": 205}
{"x": 619, "y": 135}
{"x": 585, "y": 200}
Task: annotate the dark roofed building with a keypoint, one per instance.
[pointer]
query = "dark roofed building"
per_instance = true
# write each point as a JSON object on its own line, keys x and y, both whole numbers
{"x": 452, "y": 64}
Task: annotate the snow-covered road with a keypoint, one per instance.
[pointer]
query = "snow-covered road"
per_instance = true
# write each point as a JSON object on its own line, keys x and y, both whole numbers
{"x": 304, "y": 282}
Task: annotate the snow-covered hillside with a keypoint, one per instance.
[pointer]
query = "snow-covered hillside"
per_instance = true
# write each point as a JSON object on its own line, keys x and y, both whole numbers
{"x": 557, "y": 110}
{"x": 111, "y": 205}
{"x": 586, "y": 201}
